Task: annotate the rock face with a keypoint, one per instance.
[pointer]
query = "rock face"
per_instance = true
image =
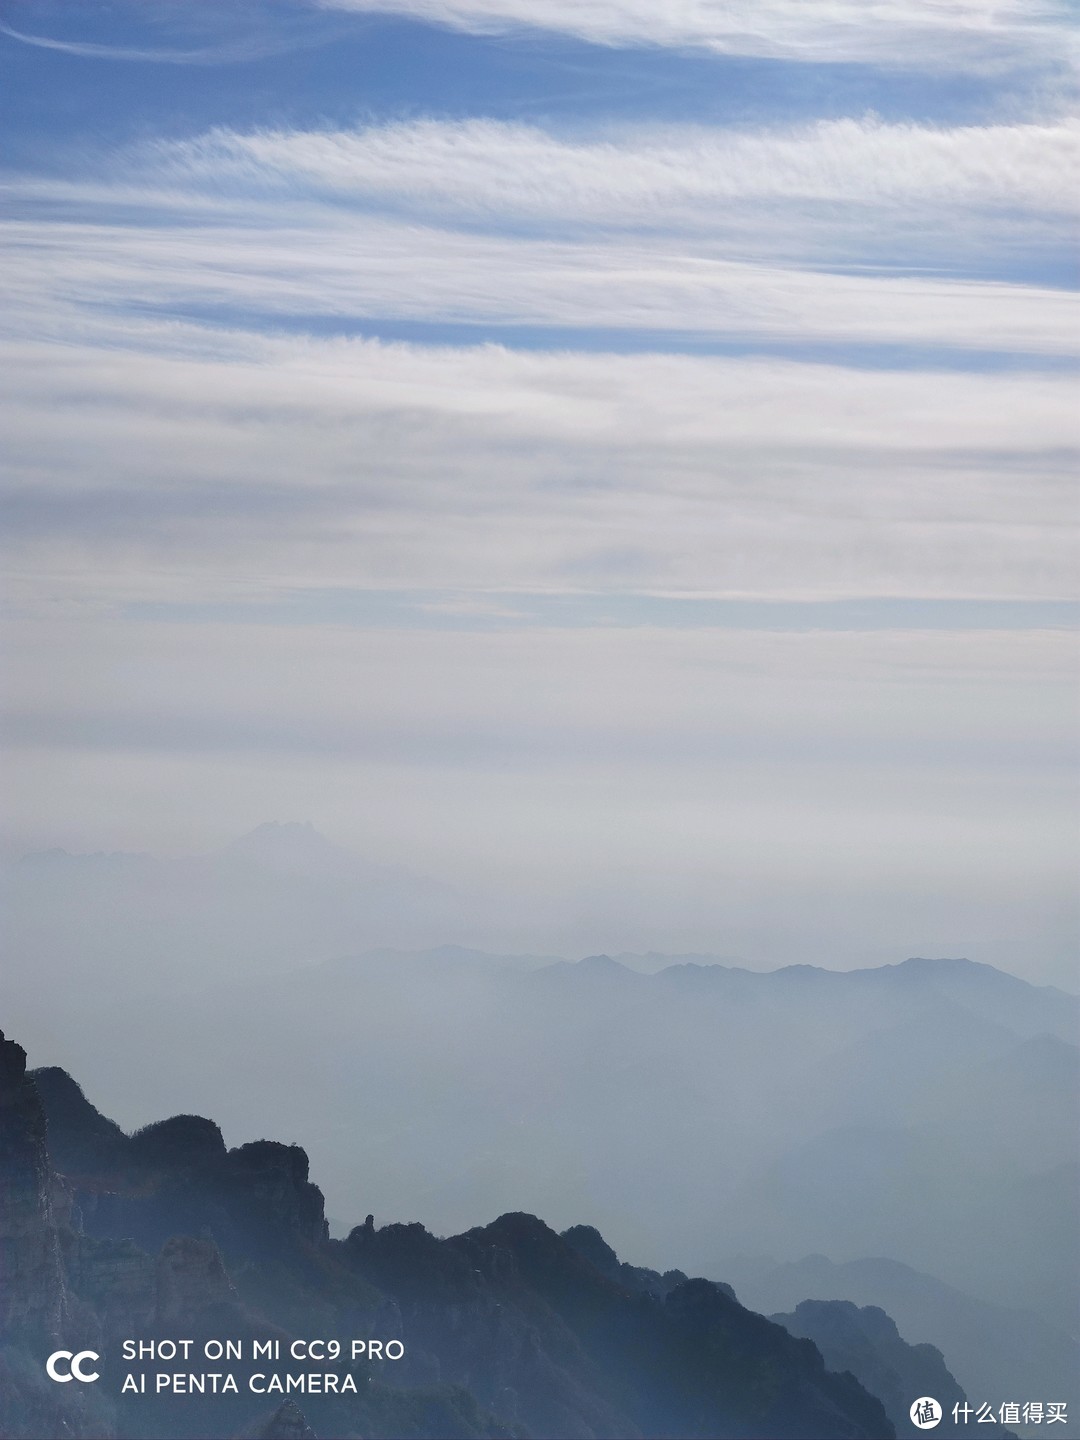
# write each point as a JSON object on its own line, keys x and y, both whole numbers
{"x": 37, "y": 1313}
{"x": 31, "y": 1280}
{"x": 508, "y": 1330}
{"x": 80, "y": 1138}
{"x": 274, "y": 1180}
{"x": 191, "y": 1279}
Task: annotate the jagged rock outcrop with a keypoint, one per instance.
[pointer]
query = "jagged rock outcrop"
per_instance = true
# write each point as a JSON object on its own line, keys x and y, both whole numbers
{"x": 80, "y": 1139}
{"x": 590, "y": 1244}
{"x": 274, "y": 1179}
{"x": 516, "y": 1313}
{"x": 467, "y": 1316}
{"x": 177, "y": 1176}
{"x": 182, "y": 1142}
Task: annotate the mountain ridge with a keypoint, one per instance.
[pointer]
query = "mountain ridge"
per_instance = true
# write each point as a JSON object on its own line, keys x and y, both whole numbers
{"x": 508, "y": 1329}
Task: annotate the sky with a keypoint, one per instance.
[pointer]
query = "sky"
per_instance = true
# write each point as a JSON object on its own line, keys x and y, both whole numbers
{"x": 616, "y": 455}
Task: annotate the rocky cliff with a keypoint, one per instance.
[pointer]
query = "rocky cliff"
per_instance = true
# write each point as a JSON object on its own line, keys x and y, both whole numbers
{"x": 32, "y": 1297}
{"x": 38, "y": 1313}
{"x": 508, "y": 1330}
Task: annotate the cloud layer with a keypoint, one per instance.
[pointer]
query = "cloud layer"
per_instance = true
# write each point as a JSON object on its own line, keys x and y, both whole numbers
{"x": 172, "y": 464}
{"x": 926, "y": 34}
{"x": 382, "y": 269}
{"x": 134, "y": 298}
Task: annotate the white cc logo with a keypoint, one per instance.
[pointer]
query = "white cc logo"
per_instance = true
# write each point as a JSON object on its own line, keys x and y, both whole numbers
{"x": 75, "y": 1370}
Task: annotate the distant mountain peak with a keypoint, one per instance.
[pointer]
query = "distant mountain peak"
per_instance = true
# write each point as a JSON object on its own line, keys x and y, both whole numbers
{"x": 599, "y": 969}
{"x": 601, "y": 962}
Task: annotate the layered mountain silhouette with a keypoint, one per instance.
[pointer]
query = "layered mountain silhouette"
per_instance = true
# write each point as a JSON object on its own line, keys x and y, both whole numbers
{"x": 508, "y": 1330}
{"x": 996, "y": 1352}
{"x": 866, "y": 1343}
{"x": 923, "y": 1111}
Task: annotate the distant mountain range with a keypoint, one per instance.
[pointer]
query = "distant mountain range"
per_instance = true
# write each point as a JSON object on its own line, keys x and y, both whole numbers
{"x": 507, "y": 1330}
{"x": 922, "y": 1111}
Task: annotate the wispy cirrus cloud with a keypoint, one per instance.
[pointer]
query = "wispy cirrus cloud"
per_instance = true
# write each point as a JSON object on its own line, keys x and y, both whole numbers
{"x": 221, "y": 54}
{"x": 725, "y": 236}
{"x": 980, "y": 35}
{"x": 836, "y": 194}
{"x": 173, "y": 32}
{"x": 662, "y": 179}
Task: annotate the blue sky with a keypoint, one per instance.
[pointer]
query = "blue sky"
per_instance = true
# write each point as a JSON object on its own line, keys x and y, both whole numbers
{"x": 645, "y": 432}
